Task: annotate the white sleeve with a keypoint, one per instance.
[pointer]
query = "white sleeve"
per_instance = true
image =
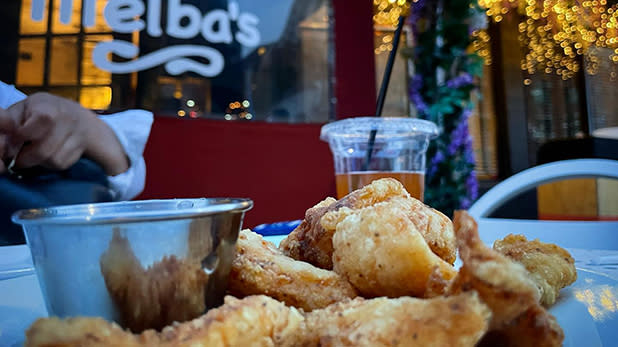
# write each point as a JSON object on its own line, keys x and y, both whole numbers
{"x": 9, "y": 95}
{"x": 132, "y": 129}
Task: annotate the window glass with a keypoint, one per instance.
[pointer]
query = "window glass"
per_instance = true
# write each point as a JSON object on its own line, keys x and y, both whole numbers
{"x": 65, "y": 92}
{"x": 265, "y": 60}
{"x": 31, "y": 62}
{"x": 90, "y": 73}
{"x": 66, "y": 16}
{"x": 29, "y": 26}
{"x": 482, "y": 125}
{"x": 63, "y": 62}
{"x": 282, "y": 77}
{"x": 188, "y": 97}
{"x": 96, "y": 98}
{"x": 553, "y": 110}
{"x": 94, "y": 22}
{"x": 602, "y": 92}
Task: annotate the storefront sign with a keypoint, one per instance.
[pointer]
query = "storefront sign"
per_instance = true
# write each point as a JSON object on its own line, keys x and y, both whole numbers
{"x": 184, "y": 21}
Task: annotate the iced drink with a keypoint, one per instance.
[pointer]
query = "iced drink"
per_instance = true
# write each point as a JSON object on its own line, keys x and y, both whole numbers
{"x": 398, "y": 151}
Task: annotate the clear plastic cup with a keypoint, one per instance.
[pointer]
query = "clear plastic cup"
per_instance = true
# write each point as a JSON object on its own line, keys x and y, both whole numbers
{"x": 398, "y": 151}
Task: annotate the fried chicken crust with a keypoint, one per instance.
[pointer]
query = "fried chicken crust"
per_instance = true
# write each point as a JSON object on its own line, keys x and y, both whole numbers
{"x": 172, "y": 289}
{"x": 260, "y": 268}
{"x": 454, "y": 321}
{"x": 438, "y": 233}
{"x": 252, "y": 321}
{"x": 311, "y": 241}
{"x": 504, "y": 285}
{"x": 535, "y": 327}
{"x": 551, "y": 267}
{"x": 381, "y": 252}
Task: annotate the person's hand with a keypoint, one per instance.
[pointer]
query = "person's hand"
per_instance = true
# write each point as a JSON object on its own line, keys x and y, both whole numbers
{"x": 54, "y": 132}
{"x": 51, "y": 131}
{"x": 8, "y": 146}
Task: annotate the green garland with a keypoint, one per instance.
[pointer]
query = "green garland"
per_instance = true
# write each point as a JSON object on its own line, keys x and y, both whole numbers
{"x": 446, "y": 73}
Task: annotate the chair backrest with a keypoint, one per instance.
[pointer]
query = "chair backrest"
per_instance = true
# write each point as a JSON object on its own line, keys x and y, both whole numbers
{"x": 570, "y": 234}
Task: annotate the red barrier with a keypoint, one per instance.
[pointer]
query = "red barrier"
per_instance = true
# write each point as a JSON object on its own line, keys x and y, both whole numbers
{"x": 284, "y": 168}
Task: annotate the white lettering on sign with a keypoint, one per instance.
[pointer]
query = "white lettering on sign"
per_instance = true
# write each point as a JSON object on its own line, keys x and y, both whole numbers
{"x": 154, "y": 18}
{"x": 120, "y": 15}
{"x": 175, "y": 13}
{"x": 174, "y": 58}
{"x": 184, "y": 21}
{"x": 220, "y": 19}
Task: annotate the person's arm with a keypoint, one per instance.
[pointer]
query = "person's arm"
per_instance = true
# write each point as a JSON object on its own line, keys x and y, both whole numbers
{"x": 132, "y": 128}
{"x": 9, "y": 95}
{"x": 104, "y": 148}
{"x": 55, "y": 132}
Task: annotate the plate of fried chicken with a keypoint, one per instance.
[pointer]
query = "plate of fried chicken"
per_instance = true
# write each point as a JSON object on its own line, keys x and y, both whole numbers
{"x": 375, "y": 268}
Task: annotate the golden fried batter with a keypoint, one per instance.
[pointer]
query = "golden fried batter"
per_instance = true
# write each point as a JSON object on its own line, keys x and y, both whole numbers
{"x": 169, "y": 290}
{"x": 311, "y": 241}
{"x": 381, "y": 252}
{"x": 82, "y": 331}
{"x": 535, "y": 327}
{"x": 504, "y": 285}
{"x": 438, "y": 233}
{"x": 551, "y": 267}
{"x": 262, "y": 321}
{"x": 252, "y": 321}
{"x": 454, "y": 321}
{"x": 260, "y": 268}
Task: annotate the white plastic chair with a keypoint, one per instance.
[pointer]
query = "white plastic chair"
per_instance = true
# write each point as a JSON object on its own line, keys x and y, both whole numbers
{"x": 569, "y": 234}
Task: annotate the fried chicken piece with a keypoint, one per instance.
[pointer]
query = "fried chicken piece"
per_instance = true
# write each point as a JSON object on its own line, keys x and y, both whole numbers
{"x": 260, "y": 268}
{"x": 435, "y": 228}
{"x": 311, "y": 241}
{"x": 82, "y": 331}
{"x": 436, "y": 284}
{"x": 252, "y": 321}
{"x": 504, "y": 285}
{"x": 256, "y": 320}
{"x": 381, "y": 252}
{"x": 438, "y": 232}
{"x": 535, "y": 327}
{"x": 170, "y": 290}
{"x": 459, "y": 320}
{"x": 551, "y": 267}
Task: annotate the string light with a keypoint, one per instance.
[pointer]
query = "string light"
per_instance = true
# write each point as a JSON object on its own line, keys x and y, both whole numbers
{"x": 481, "y": 44}
{"x": 387, "y": 12}
{"x": 554, "y": 32}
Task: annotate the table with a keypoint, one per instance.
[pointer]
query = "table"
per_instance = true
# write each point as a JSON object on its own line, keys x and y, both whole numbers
{"x": 21, "y": 301}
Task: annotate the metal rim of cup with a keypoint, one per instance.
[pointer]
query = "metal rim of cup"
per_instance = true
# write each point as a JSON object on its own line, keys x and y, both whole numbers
{"x": 131, "y": 211}
{"x": 398, "y": 127}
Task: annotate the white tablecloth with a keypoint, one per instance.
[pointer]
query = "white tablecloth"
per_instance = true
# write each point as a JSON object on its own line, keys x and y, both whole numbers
{"x": 588, "y": 259}
{"x": 21, "y": 301}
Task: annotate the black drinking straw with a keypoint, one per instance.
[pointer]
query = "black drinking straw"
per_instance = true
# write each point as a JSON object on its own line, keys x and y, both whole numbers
{"x": 383, "y": 88}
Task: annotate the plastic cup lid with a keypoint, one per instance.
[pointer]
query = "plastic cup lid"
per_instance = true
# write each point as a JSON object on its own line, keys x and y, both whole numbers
{"x": 361, "y": 127}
